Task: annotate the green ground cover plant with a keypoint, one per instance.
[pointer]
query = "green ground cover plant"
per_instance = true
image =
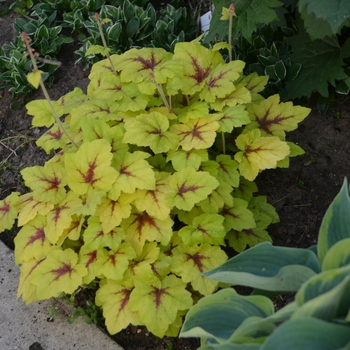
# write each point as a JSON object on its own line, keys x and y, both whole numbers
{"x": 303, "y": 46}
{"x": 319, "y": 316}
{"x": 151, "y": 177}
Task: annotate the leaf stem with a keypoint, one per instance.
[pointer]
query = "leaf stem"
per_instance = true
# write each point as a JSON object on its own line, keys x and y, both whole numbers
{"x": 162, "y": 94}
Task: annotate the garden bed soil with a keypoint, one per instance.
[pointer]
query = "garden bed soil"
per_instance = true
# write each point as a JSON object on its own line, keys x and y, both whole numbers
{"x": 301, "y": 193}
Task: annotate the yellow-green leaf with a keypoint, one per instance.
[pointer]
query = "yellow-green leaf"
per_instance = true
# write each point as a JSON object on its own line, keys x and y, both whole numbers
{"x": 34, "y": 78}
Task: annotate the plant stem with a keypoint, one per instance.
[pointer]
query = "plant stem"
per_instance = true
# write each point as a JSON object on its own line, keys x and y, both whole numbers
{"x": 162, "y": 94}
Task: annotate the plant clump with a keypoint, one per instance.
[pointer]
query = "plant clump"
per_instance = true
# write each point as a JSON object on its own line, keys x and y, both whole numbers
{"x": 151, "y": 180}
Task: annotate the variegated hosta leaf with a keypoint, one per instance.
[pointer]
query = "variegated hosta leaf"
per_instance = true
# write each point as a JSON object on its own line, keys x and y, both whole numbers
{"x": 259, "y": 153}
{"x": 158, "y": 301}
{"x": 190, "y": 261}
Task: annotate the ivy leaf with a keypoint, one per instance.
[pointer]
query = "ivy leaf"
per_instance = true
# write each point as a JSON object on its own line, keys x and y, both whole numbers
{"x": 233, "y": 117}
{"x": 140, "y": 227}
{"x": 111, "y": 213}
{"x": 206, "y": 228}
{"x": 8, "y": 211}
{"x": 259, "y": 153}
{"x": 114, "y": 298}
{"x": 191, "y": 262}
{"x": 322, "y": 62}
{"x": 238, "y": 217}
{"x": 28, "y": 208}
{"x": 183, "y": 159}
{"x": 42, "y": 112}
{"x": 47, "y": 182}
{"x": 31, "y": 242}
{"x": 220, "y": 81}
{"x": 274, "y": 118}
{"x": 151, "y": 130}
{"x": 89, "y": 168}
{"x": 153, "y": 201}
{"x": 59, "y": 272}
{"x": 115, "y": 262}
{"x": 96, "y": 238}
{"x": 158, "y": 301}
{"x": 189, "y": 187}
{"x": 196, "y": 133}
{"x": 134, "y": 172}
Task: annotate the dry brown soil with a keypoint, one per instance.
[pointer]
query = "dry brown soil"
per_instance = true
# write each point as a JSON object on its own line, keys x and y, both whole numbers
{"x": 301, "y": 194}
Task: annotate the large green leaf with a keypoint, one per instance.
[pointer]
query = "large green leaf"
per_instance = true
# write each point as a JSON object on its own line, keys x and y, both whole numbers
{"x": 321, "y": 61}
{"x": 336, "y": 222}
{"x": 220, "y": 314}
{"x": 269, "y": 268}
{"x": 308, "y": 333}
{"x": 337, "y": 256}
{"x": 250, "y": 13}
{"x": 333, "y": 13}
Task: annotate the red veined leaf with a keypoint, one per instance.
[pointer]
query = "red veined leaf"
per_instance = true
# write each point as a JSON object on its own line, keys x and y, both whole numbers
{"x": 8, "y": 211}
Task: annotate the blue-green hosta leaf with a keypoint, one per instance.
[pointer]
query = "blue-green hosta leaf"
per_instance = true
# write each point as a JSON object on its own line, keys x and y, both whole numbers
{"x": 336, "y": 222}
{"x": 269, "y": 268}
{"x": 308, "y": 333}
{"x": 219, "y": 315}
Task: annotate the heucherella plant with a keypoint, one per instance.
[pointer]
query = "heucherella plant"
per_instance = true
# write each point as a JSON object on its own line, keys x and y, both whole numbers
{"x": 318, "y": 318}
{"x": 147, "y": 200}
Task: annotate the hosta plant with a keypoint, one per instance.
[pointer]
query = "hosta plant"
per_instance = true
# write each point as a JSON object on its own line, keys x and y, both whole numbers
{"x": 319, "y": 316}
{"x": 142, "y": 196}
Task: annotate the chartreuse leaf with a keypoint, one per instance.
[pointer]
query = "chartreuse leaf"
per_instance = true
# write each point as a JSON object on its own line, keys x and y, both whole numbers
{"x": 114, "y": 298}
{"x": 97, "y": 49}
{"x": 42, "y": 112}
{"x": 8, "y": 211}
{"x": 28, "y": 208}
{"x": 198, "y": 62}
{"x": 308, "y": 333}
{"x": 151, "y": 130}
{"x": 183, "y": 159}
{"x": 60, "y": 218}
{"x": 111, "y": 213}
{"x": 325, "y": 296}
{"x": 269, "y": 268}
{"x": 94, "y": 129}
{"x": 274, "y": 118}
{"x": 31, "y": 242}
{"x": 140, "y": 227}
{"x": 228, "y": 170}
{"x": 196, "y": 133}
{"x": 189, "y": 187}
{"x": 52, "y": 139}
{"x": 206, "y": 228}
{"x": 134, "y": 173}
{"x": 158, "y": 301}
{"x": 115, "y": 262}
{"x": 72, "y": 99}
{"x": 59, "y": 272}
{"x": 89, "y": 203}
{"x": 47, "y": 182}
{"x": 220, "y": 81}
{"x": 335, "y": 225}
{"x": 246, "y": 189}
{"x": 193, "y": 111}
{"x": 233, "y": 117}
{"x": 255, "y": 84}
{"x": 90, "y": 167}
{"x": 96, "y": 238}
{"x": 153, "y": 201}
{"x": 190, "y": 262}
{"x": 258, "y": 153}
{"x": 34, "y": 78}
{"x": 217, "y": 316}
